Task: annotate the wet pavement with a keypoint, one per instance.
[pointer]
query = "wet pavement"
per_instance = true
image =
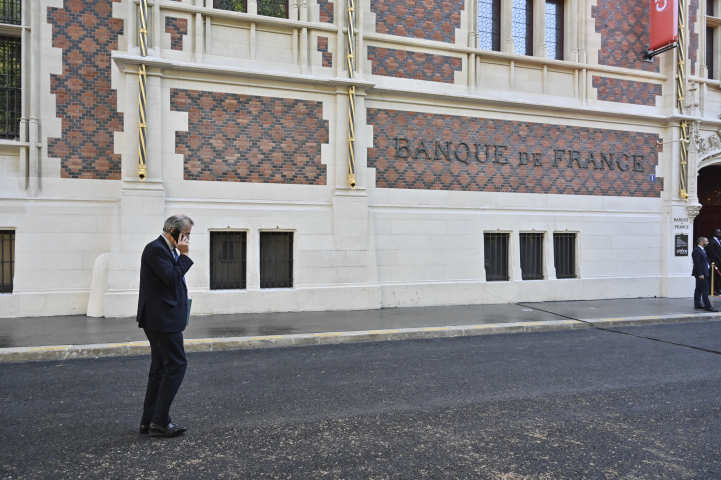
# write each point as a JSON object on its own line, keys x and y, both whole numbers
{"x": 82, "y": 330}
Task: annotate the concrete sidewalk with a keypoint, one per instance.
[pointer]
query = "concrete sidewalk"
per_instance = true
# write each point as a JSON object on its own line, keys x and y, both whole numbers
{"x": 58, "y": 338}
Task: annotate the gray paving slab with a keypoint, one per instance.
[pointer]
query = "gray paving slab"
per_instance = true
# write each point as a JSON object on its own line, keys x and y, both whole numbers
{"x": 619, "y": 308}
{"x": 82, "y": 330}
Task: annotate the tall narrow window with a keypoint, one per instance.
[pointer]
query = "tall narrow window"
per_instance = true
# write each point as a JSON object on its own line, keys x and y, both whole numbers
{"x": 227, "y": 260}
{"x": 710, "y": 7}
{"x": 495, "y": 246}
{"x": 531, "y": 256}
{"x": 489, "y": 25}
{"x": 276, "y": 260}
{"x": 7, "y": 260}
{"x": 231, "y": 5}
{"x": 523, "y": 26}
{"x": 564, "y": 254}
{"x": 554, "y": 29}
{"x": 710, "y": 51}
{"x": 273, "y": 8}
{"x": 10, "y": 87}
{"x": 10, "y": 11}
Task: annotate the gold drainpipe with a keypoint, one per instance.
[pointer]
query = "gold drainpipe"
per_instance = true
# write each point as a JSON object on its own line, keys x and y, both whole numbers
{"x": 143, "y": 77}
{"x": 350, "y": 39}
{"x": 681, "y": 91}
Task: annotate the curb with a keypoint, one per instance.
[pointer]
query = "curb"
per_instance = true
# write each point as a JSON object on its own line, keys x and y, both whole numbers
{"x": 67, "y": 352}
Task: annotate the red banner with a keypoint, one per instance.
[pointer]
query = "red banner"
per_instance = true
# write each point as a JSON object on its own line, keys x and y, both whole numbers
{"x": 664, "y": 23}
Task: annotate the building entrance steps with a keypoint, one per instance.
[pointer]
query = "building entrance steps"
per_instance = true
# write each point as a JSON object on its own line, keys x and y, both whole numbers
{"x": 56, "y": 338}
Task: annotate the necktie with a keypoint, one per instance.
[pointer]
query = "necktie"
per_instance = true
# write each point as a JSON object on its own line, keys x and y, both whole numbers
{"x": 175, "y": 254}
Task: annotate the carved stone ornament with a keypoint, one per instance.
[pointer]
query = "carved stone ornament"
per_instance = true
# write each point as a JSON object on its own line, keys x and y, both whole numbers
{"x": 709, "y": 149}
{"x": 692, "y": 211}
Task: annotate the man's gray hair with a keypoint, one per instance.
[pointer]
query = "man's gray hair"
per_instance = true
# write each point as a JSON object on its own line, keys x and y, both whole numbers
{"x": 178, "y": 222}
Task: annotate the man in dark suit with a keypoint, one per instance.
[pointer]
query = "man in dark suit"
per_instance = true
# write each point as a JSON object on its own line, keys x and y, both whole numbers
{"x": 701, "y": 267}
{"x": 162, "y": 314}
{"x": 713, "y": 251}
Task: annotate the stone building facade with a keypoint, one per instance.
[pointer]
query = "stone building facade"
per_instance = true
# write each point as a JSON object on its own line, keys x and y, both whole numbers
{"x": 505, "y": 150}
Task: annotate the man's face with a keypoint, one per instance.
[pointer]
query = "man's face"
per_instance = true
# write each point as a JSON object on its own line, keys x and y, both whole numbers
{"x": 704, "y": 242}
{"x": 185, "y": 232}
{"x": 717, "y": 233}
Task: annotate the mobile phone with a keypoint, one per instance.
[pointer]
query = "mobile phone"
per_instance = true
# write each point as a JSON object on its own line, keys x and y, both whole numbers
{"x": 175, "y": 234}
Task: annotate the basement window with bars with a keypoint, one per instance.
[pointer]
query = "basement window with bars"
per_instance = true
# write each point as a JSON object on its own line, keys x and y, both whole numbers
{"x": 276, "y": 259}
{"x": 7, "y": 260}
{"x": 531, "y": 256}
{"x": 10, "y": 87}
{"x": 227, "y": 260}
{"x": 495, "y": 247}
{"x": 10, "y": 11}
{"x": 230, "y": 5}
{"x": 564, "y": 254}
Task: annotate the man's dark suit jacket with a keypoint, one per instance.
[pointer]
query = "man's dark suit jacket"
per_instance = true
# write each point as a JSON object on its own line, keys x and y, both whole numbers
{"x": 163, "y": 301}
{"x": 714, "y": 252}
{"x": 700, "y": 263}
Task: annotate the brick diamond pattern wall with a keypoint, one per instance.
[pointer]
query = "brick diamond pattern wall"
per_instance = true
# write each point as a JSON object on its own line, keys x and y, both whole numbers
{"x": 389, "y": 62}
{"x": 323, "y": 48}
{"x": 85, "y": 102}
{"x": 626, "y": 91}
{"x": 569, "y": 177}
{"x": 326, "y": 11}
{"x": 247, "y": 138}
{"x": 176, "y": 27}
{"x": 623, "y": 25}
{"x": 428, "y": 19}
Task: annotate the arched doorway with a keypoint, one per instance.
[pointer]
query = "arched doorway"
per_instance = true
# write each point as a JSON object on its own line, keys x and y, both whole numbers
{"x": 709, "y": 195}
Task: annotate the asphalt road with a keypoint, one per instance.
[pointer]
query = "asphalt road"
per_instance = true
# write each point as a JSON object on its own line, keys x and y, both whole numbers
{"x": 567, "y": 404}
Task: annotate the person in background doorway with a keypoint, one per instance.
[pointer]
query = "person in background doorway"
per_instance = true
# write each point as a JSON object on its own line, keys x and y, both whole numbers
{"x": 714, "y": 254}
{"x": 701, "y": 267}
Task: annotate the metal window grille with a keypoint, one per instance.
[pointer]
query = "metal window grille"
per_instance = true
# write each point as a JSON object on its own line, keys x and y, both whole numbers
{"x": 564, "y": 254}
{"x": 10, "y": 11}
{"x": 7, "y": 260}
{"x": 531, "y": 256}
{"x": 10, "y": 87}
{"x": 495, "y": 246}
{"x": 554, "y": 29}
{"x": 231, "y": 5}
{"x": 273, "y": 8}
{"x": 489, "y": 25}
{"x": 227, "y": 260}
{"x": 276, "y": 260}
{"x": 710, "y": 51}
{"x": 523, "y": 27}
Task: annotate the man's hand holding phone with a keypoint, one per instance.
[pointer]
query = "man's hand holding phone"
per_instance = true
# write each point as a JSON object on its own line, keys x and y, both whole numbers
{"x": 182, "y": 241}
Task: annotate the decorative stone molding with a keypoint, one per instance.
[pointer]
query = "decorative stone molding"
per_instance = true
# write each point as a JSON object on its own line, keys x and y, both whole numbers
{"x": 692, "y": 211}
{"x": 709, "y": 149}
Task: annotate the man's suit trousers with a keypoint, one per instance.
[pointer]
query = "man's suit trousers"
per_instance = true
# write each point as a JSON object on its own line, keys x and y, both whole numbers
{"x": 167, "y": 369}
{"x": 701, "y": 293}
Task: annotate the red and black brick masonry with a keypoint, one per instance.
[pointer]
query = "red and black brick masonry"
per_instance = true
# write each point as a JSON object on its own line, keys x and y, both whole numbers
{"x": 389, "y": 62}
{"x": 176, "y": 27}
{"x": 424, "y": 151}
{"x": 626, "y": 91}
{"x": 326, "y": 11}
{"x": 88, "y": 107}
{"x": 428, "y": 19}
{"x": 323, "y": 48}
{"x": 246, "y": 138}
{"x": 623, "y": 25}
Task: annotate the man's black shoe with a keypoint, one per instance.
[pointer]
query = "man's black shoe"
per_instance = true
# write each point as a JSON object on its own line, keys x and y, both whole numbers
{"x": 168, "y": 431}
{"x": 699, "y": 307}
{"x": 711, "y": 309}
{"x": 144, "y": 429}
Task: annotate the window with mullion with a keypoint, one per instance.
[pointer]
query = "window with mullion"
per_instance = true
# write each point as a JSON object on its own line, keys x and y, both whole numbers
{"x": 554, "y": 29}
{"x": 523, "y": 27}
{"x": 710, "y": 51}
{"x": 489, "y": 25}
{"x": 10, "y": 11}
